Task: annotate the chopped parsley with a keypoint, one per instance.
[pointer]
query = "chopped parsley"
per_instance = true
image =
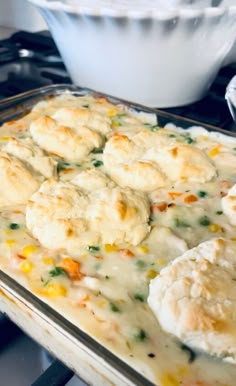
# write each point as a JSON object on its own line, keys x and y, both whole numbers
{"x": 57, "y": 271}
{"x": 93, "y": 248}
{"x": 151, "y": 127}
{"x": 204, "y": 221}
{"x": 202, "y": 193}
{"x": 14, "y": 226}
{"x": 113, "y": 307}
{"x": 139, "y": 297}
{"x": 140, "y": 335}
{"x": 178, "y": 223}
{"x": 191, "y": 354}
{"x": 219, "y": 212}
{"x": 62, "y": 166}
{"x": 140, "y": 264}
{"x": 188, "y": 140}
{"x": 97, "y": 163}
{"x": 172, "y": 136}
{"x": 97, "y": 151}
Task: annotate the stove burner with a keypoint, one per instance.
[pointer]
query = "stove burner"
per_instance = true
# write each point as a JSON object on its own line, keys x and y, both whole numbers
{"x": 27, "y": 61}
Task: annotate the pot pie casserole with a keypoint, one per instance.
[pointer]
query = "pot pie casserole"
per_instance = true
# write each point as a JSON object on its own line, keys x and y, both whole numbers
{"x": 128, "y": 230}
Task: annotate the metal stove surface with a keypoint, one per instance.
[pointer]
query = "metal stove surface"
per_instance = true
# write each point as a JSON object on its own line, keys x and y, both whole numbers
{"x": 31, "y": 60}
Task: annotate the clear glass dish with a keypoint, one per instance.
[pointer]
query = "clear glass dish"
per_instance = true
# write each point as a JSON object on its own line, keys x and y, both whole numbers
{"x": 79, "y": 351}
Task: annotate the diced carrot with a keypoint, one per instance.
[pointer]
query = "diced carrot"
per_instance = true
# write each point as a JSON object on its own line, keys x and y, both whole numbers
{"x": 19, "y": 256}
{"x": 174, "y": 195}
{"x": 126, "y": 253}
{"x": 66, "y": 171}
{"x": 82, "y": 301}
{"x": 9, "y": 123}
{"x": 223, "y": 194}
{"x": 71, "y": 267}
{"x": 101, "y": 100}
{"x": 225, "y": 184}
{"x": 160, "y": 206}
{"x": 190, "y": 198}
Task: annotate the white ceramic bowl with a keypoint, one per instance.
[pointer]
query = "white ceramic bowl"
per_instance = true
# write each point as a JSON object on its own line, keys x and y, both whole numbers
{"x": 156, "y": 58}
{"x": 230, "y": 96}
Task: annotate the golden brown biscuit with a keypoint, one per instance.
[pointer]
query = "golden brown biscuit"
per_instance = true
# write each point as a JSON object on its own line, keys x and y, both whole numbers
{"x": 120, "y": 215}
{"x": 52, "y": 136}
{"x": 17, "y": 183}
{"x": 194, "y": 298}
{"x": 27, "y": 151}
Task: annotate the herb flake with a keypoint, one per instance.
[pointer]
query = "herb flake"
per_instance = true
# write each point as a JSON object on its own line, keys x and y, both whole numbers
{"x": 57, "y": 271}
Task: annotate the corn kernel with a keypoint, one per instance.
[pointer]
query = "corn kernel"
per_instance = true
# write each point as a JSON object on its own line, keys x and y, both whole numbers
{"x": 28, "y": 250}
{"x": 233, "y": 238}
{"x": 84, "y": 255}
{"x": 142, "y": 249}
{"x": 213, "y": 151}
{"x": 55, "y": 289}
{"x": 8, "y": 231}
{"x": 110, "y": 248}
{"x": 151, "y": 274}
{"x": 4, "y": 138}
{"x": 9, "y": 243}
{"x": 111, "y": 112}
{"x": 101, "y": 303}
{"x": 161, "y": 262}
{"x": 214, "y": 228}
{"x": 168, "y": 380}
{"x": 26, "y": 266}
{"x": 114, "y": 125}
{"x": 182, "y": 370}
{"x": 48, "y": 260}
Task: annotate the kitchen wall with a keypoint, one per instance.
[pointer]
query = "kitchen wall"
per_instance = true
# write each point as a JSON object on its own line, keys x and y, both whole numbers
{"x": 20, "y": 14}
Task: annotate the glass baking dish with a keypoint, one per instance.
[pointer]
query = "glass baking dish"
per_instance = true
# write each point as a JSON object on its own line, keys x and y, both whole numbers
{"x": 89, "y": 359}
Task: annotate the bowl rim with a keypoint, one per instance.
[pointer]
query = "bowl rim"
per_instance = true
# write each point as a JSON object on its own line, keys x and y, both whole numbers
{"x": 150, "y": 13}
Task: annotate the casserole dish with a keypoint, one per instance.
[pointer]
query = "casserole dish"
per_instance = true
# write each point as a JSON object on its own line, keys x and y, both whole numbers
{"x": 160, "y": 57}
{"x": 54, "y": 325}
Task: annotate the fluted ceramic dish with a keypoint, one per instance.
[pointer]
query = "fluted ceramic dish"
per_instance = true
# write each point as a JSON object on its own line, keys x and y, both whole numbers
{"x": 159, "y": 58}
{"x": 230, "y": 96}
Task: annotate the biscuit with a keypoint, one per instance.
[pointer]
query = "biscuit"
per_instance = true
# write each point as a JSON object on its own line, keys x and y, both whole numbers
{"x": 28, "y": 152}
{"x": 91, "y": 180}
{"x": 183, "y": 163}
{"x": 49, "y": 134}
{"x": 56, "y": 216}
{"x": 61, "y": 216}
{"x": 123, "y": 162}
{"x": 229, "y": 205}
{"x": 17, "y": 183}
{"x": 76, "y": 117}
{"x": 194, "y": 298}
{"x": 121, "y": 215}
{"x": 149, "y": 161}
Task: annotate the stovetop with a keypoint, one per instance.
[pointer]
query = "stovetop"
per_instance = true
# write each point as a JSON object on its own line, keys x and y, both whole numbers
{"x": 31, "y": 60}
